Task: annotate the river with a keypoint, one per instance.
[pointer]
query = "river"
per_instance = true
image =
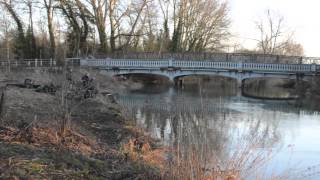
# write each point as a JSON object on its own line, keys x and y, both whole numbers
{"x": 228, "y": 127}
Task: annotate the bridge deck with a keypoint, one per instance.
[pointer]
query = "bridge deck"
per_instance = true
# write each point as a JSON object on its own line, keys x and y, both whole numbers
{"x": 199, "y": 65}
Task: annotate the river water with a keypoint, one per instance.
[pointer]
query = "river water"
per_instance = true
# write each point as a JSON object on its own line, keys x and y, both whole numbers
{"x": 221, "y": 123}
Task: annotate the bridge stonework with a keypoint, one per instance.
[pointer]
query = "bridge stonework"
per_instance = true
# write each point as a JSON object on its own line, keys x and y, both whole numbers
{"x": 174, "y": 69}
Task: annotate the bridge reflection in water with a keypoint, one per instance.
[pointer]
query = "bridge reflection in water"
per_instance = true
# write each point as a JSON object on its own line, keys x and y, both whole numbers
{"x": 193, "y": 104}
{"x": 217, "y": 124}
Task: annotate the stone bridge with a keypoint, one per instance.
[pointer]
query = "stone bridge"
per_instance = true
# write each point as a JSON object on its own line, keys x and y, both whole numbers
{"x": 237, "y": 67}
{"x": 174, "y": 69}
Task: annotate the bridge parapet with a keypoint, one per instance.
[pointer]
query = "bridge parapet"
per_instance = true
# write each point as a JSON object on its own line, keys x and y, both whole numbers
{"x": 207, "y": 56}
{"x": 125, "y": 63}
{"x": 28, "y": 63}
{"x": 199, "y": 65}
{"x": 218, "y": 57}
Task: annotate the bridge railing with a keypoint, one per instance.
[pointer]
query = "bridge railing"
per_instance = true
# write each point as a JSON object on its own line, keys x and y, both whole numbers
{"x": 198, "y": 65}
{"x": 73, "y": 61}
{"x": 246, "y": 66}
{"x": 28, "y": 63}
{"x": 205, "y": 56}
{"x": 125, "y": 63}
{"x": 311, "y": 60}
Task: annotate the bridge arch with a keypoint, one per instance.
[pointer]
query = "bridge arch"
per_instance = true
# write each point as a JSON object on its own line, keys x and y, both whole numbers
{"x": 173, "y": 69}
{"x": 277, "y": 76}
{"x": 230, "y": 75}
{"x": 180, "y": 79}
{"x": 154, "y": 75}
{"x": 241, "y": 77}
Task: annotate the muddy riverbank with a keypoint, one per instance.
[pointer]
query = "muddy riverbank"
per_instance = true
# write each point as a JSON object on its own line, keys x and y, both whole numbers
{"x": 43, "y": 135}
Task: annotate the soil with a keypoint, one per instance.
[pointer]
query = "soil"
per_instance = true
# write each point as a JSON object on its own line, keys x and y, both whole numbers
{"x": 37, "y": 140}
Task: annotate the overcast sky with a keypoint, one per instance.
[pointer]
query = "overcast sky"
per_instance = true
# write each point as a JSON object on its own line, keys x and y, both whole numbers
{"x": 302, "y": 16}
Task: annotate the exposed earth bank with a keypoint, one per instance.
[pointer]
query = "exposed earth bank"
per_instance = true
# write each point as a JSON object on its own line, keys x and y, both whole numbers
{"x": 48, "y": 136}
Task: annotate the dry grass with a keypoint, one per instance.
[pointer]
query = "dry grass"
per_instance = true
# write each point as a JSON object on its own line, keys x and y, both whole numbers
{"x": 144, "y": 149}
{"x": 139, "y": 150}
{"x": 194, "y": 165}
{"x": 196, "y": 157}
{"x": 62, "y": 156}
{"x": 200, "y": 164}
{"x": 51, "y": 138}
{"x": 58, "y": 142}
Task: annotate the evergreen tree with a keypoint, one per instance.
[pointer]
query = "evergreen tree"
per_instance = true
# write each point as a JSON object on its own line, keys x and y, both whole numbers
{"x": 30, "y": 45}
{"x": 176, "y": 38}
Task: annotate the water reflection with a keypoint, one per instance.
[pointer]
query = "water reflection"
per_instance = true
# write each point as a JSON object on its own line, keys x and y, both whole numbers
{"x": 270, "y": 92}
{"x": 211, "y": 120}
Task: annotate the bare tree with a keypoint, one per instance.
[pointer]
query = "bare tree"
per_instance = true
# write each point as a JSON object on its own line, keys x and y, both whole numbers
{"x": 134, "y": 16}
{"x": 118, "y": 16}
{"x": 152, "y": 40}
{"x": 48, "y": 4}
{"x": 100, "y": 8}
{"x": 206, "y": 27}
{"x": 275, "y": 38}
{"x": 165, "y": 34}
{"x": 78, "y": 18}
{"x": 292, "y": 48}
{"x": 185, "y": 25}
{"x": 29, "y": 4}
{"x": 5, "y": 34}
{"x": 9, "y": 6}
{"x": 202, "y": 25}
{"x": 31, "y": 47}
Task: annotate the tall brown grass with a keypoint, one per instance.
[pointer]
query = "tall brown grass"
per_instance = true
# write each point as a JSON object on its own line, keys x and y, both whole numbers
{"x": 195, "y": 157}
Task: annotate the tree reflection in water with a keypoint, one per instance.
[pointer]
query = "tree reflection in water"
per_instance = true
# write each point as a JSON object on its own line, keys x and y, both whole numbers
{"x": 213, "y": 134}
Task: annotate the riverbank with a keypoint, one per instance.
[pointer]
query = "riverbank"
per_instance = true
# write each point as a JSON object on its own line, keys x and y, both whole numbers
{"x": 39, "y": 141}
{"x": 46, "y": 136}
{"x": 312, "y": 96}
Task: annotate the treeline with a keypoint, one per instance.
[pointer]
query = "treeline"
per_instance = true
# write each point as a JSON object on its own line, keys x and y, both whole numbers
{"x": 100, "y": 26}
{"x": 60, "y": 28}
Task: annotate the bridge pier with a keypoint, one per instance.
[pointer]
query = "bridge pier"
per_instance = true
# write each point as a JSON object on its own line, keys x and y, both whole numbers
{"x": 240, "y": 83}
{"x": 178, "y": 82}
{"x": 300, "y": 88}
{"x": 173, "y": 69}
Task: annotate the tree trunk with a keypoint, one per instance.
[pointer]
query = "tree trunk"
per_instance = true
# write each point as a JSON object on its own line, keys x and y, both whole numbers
{"x": 50, "y": 27}
{"x": 112, "y": 35}
{"x": 102, "y": 37}
{"x": 20, "y": 48}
